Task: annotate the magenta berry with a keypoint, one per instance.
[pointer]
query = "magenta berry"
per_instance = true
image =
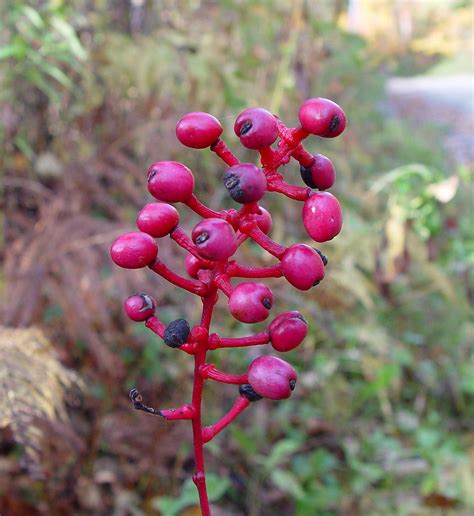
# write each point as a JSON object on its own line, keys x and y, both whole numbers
{"x": 256, "y": 128}
{"x": 245, "y": 182}
{"x": 214, "y": 239}
{"x": 157, "y": 219}
{"x": 140, "y": 307}
{"x": 322, "y": 216}
{"x": 271, "y": 377}
{"x": 322, "y": 117}
{"x": 287, "y": 331}
{"x": 251, "y": 302}
{"x": 302, "y": 266}
{"x": 198, "y": 130}
{"x": 134, "y": 250}
{"x": 320, "y": 174}
{"x": 170, "y": 181}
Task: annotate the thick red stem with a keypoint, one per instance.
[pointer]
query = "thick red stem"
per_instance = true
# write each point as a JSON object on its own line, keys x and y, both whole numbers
{"x": 234, "y": 269}
{"x": 298, "y": 193}
{"x": 209, "y": 432}
{"x": 303, "y": 157}
{"x": 201, "y": 209}
{"x": 209, "y": 371}
{"x": 224, "y": 284}
{"x": 156, "y": 326}
{"x": 256, "y": 234}
{"x": 195, "y": 287}
{"x": 184, "y": 412}
{"x": 217, "y": 342}
{"x": 221, "y": 150}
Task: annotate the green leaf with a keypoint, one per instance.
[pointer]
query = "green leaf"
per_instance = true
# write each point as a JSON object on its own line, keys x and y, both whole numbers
{"x": 280, "y": 452}
{"x": 287, "y": 482}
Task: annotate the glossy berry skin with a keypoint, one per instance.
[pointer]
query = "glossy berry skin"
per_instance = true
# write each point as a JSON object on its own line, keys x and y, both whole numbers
{"x": 287, "y": 331}
{"x": 320, "y": 174}
{"x": 322, "y": 216}
{"x": 245, "y": 182}
{"x": 251, "y": 302}
{"x": 271, "y": 377}
{"x": 157, "y": 219}
{"x": 170, "y": 181}
{"x": 134, "y": 250}
{"x": 264, "y": 220}
{"x": 140, "y": 307}
{"x": 215, "y": 239}
{"x": 256, "y": 128}
{"x": 322, "y": 117}
{"x": 193, "y": 265}
{"x": 198, "y": 130}
{"x": 302, "y": 266}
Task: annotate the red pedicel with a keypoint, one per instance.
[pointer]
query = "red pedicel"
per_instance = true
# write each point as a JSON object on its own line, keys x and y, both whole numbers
{"x": 322, "y": 117}
{"x": 320, "y": 174}
{"x": 215, "y": 239}
{"x": 256, "y": 128}
{"x": 287, "y": 331}
{"x": 245, "y": 182}
{"x": 251, "y": 302}
{"x": 272, "y": 377}
{"x": 198, "y": 130}
{"x": 170, "y": 181}
{"x": 322, "y": 216}
{"x": 134, "y": 250}
{"x": 140, "y": 307}
{"x": 157, "y": 219}
{"x": 302, "y": 266}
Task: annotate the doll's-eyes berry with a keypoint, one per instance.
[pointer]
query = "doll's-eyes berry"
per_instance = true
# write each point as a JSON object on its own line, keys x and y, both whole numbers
{"x": 302, "y": 266}
{"x": 322, "y": 117}
{"x": 214, "y": 239}
{"x": 245, "y": 182}
{"x": 140, "y": 307}
{"x": 134, "y": 250}
{"x": 256, "y": 128}
{"x": 251, "y": 302}
{"x": 271, "y": 377}
{"x": 320, "y": 174}
{"x": 322, "y": 216}
{"x": 287, "y": 331}
{"x": 170, "y": 181}
{"x": 198, "y": 130}
{"x": 157, "y": 219}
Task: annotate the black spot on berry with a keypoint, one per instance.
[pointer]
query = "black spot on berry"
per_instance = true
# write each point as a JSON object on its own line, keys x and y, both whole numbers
{"x": 245, "y": 128}
{"x": 202, "y": 238}
{"x": 324, "y": 258}
{"x": 334, "y": 124}
{"x": 267, "y": 303}
{"x": 232, "y": 183}
{"x": 307, "y": 177}
{"x": 148, "y": 303}
{"x": 151, "y": 175}
{"x": 292, "y": 384}
{"x": 246, "y": 391}
{"x": 176, "y": 333}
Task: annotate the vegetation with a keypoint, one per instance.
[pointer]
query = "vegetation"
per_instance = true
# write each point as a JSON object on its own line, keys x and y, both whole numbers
{"x": 382, "y": 423}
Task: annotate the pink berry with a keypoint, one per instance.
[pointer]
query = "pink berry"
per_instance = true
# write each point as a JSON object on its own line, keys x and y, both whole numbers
{"x": 264, "y": 220}
{"x": 214, "y": 239}
{"x": 198, "y": 130}
{"x": 272, "y": 377}
{"x": 251, "y": 302}
{"x": 288, "y": 330}
{"x": 170, "y": 181}
{"x": 320, "y": 174}
{"x": 134, "y": 250}
{"x": 245, "y": 182}
{"x": 193, "y": 265}
{"x": 140, "y": 307}
{"x": 157, "y": 219}
{"x": 322, "y": 216}
{"x": 322, "y": 117}
{"x": 302, "y": 266}
{"x": 256, "y": 128}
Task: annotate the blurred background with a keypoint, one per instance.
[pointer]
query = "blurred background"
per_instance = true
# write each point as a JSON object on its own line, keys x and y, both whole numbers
{"x": 382, "y": 421}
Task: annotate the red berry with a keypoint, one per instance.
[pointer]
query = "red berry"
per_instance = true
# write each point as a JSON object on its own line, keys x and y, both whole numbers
{"x": 264, "y": 220}
{"x": 193, "y": 265}
{"x": 198, "y": 130}
{"x": 256, "y": 128}
{"x": 251, "y": 302}
{"x": 320, "y": 174}
{"x": 157, "y": 219}
{"x": 302, "y": 266}
{"x": 134, "y": 250}
{"x": 140, "y": 307}
{"x": 272, "y": 377}
{"x": 322, "y": 216}
{"x": 170, "y": 181}
{"x": 287, "y": 331}
{"x": 214, "y": 239}
{"x": 245, "y": 182}
{"x": 322, "y": 117}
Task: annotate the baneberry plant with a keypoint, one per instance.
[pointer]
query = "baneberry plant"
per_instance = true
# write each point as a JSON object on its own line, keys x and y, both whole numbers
{"x": 214, "y": 241}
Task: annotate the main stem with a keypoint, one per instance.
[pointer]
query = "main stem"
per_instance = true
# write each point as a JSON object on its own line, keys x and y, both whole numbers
{"x": 199, "y": 477}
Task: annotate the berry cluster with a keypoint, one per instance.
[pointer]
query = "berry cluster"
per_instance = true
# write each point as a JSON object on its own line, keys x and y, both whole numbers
{"x": 215, "y": 240}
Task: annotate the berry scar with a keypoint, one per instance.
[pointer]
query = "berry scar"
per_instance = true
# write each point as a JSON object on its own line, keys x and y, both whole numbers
{"x": 214, "y": 241}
